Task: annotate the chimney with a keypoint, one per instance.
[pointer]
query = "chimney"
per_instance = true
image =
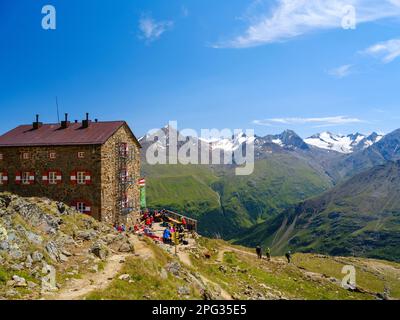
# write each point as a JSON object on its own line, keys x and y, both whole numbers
{"x": 36, "y": 125}
{"x": 85, "y": 123}
{"x": 65, "y": 123}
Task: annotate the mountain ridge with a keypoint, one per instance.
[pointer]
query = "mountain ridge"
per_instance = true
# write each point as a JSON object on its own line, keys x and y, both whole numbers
{"x": 360, "y": 216}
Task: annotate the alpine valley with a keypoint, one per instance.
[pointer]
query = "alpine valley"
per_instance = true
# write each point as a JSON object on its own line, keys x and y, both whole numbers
{"x": 329, "y": 193}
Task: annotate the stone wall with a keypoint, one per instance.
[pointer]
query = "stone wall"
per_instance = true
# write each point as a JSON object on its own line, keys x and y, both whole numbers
{"x": 66, "y": 161}
{"x": 110, "y": 174}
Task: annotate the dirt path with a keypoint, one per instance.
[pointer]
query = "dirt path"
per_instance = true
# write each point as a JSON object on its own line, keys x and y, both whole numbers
{"x": 76, "y": 289}
{"x": 142, "y": 249}
{"x": 185, "y": 259}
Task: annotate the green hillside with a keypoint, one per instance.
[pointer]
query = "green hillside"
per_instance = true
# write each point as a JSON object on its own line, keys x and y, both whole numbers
{"x": 359, "y": 217}
{"x": 225, "y": 203}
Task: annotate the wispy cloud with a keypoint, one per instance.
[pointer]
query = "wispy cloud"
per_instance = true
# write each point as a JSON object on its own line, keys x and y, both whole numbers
{"x": 341, "y": 72}
{"x": 185, "y": 11}
{"x": 387, "y": 51}
{"x": 317, "y": 122}
{"x": 151, "y": 30}
{"x": 292, "y": 18}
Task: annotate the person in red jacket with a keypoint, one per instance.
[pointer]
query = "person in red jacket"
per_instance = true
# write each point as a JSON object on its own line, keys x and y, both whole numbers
{"x": 148, "y": 222}
{"x": 184, "y": 223}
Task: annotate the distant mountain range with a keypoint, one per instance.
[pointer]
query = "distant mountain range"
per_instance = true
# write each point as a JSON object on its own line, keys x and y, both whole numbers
{"x": 290, "y": 140}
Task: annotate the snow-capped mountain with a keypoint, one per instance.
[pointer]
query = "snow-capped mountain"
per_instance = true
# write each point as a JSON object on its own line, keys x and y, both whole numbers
{"x": 288, "y": 140}
{"x": 232, "y": 144}
{"x": 343, "y": 143}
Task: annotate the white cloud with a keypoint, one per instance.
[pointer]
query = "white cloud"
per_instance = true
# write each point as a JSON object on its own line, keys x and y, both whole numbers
{"x": 387, "y": 51}
{"x": 292, "y": 18}
{"x": 341, "y": 72}
{"x": 319, "y": 122}
{"x": 151, "y": 29}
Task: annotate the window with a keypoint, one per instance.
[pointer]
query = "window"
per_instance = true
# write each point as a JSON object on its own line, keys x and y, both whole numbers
{"x": 81, "y": 155}
{"x": 3, "y": 178}
{"x": 52, "y": 177}
{"x": 81, "y": 207}
{"x": 52, "y": 155}
{"x": 26, "y": 178}
{"x": 124, "y": 149}
{"x": 25, "y": 155}
{"x": 124, "y": 201}
{"x": 81, "y": 177}
{"x": 124, "y": 175}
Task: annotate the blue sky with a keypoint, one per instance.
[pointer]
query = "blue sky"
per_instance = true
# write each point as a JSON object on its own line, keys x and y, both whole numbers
{"x": 267, "y": 65}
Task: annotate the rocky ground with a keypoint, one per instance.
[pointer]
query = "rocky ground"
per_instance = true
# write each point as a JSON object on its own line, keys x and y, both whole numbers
{"x": 50, "y": 251}
{"x": 41, "y": 240}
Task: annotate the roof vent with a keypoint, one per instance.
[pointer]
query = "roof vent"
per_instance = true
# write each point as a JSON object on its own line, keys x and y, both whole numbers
{"x": 65, "y": 123}
{"x": 36, "y": 125}
{"x": 85, "y": 123}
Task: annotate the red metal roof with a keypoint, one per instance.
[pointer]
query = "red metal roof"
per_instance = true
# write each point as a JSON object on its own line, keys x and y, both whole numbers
{"x": 53, "y": 135}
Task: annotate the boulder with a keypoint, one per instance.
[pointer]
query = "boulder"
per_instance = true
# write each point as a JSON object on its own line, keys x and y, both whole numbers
{"x": 37, "y": 256}
{"x": 126, "y": 246}
{"x": 28, "y": 261}
{"x": 99, "y": 250}
{"x": 86, "y": 235}
{"x": 183, "y": 291}
{"x": 19, "y": 281}
{"x": 55, "y": 253}
{"x": 174, "y": 268}
{"x": 124, "y": 277}
{"x": 34, "y": 238}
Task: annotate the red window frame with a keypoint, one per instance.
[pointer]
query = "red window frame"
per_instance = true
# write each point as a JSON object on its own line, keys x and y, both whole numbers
{"x": 86, "y": 203}
{"x": 19, "y": 175}
{"x": 46, "y": 177}
{"x": 4, "y": 178}
{"x": 124, "y": 149}
{"x": 74, "y": 177}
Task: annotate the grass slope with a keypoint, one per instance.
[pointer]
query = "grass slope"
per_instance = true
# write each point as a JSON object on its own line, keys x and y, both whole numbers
{"x": 237, "y": 271}
{"x": 226, "y": 204}
{"x": 359, "y": 217}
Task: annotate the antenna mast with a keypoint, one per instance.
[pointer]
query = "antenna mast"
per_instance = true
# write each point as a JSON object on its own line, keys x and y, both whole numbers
{"x": 58, "y": 113}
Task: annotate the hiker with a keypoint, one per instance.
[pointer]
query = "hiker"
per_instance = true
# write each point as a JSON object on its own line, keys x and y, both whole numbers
{"x": 184, "y": 222}
{"x": 167, "y": 235}
{"x": 288, "y": 256}
{"x": 181, "y": 229}
{"x": 268, "y": 253}
{"x": 148, "y": 222}
{"x": 259, "y": 252}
